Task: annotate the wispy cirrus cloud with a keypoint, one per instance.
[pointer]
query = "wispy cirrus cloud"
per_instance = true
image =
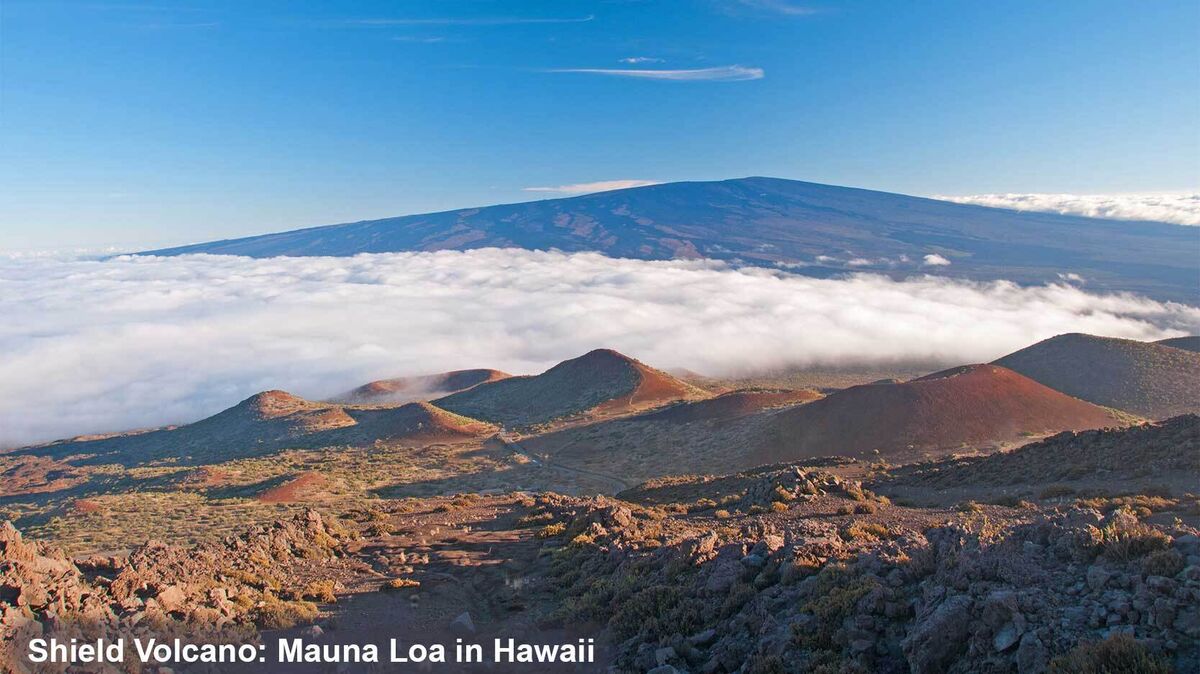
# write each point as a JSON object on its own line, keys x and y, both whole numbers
{"x": 1179, "y": 209}
{"x": 468, "y": 21}
{"x": 733, "y": 73}
{"x": 587, "y": 188}
{"x": 635, "y": 60}
{"x": 777, "y": 7}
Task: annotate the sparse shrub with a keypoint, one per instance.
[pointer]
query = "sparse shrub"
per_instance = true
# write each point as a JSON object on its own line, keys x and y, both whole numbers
{"x": 1118, "y": 654}
{"x": 736, "y": 599}
{"x": 319, "y": 591}
{"x": 969, "y": 507}
{"x": 401, "y": 583}
{"x": 722, "y": 514}
{"x": 655, "y": 611}
{"x": 702, "y": 504}
{"x": 781, "y": 494}
{"x": 865, "y": 508}
{"x": 779, "y": 507}
{"x": 845, "y": 509}
{"x": 871, "y": 531}
{"x": 583, "y": 540}
{"x": 1162, "y": 563}
{"x": 833, "y": 600}
{"x": 537, "y": 519}
{"x": 1125, "y": 538}
{"x": 756, "y": 509}
{"x": 552, "y": 530}
{"x": 281, "y": 615}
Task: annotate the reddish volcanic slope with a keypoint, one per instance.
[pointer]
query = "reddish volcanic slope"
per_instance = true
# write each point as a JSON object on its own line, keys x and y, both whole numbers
{"x": 408, "y": 389}
{"x": 601, "y": 381}
{"x": 299, "y": 488}
{"x": 731, "y": 405}
{"x": 969, "y": 406}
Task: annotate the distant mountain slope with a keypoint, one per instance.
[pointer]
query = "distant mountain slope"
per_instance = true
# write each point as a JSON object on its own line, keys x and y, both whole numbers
{"x": 1145, "y": 378}
{"x": 969, "y": 406}
{"x": 1191, "y": 343}
{"x": 768, "y": 221}
{"x": 600, "y": 381}
{"x": 405, "y": 389}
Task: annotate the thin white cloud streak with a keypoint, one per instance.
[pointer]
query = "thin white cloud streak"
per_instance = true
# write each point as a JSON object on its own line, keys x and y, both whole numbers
{"x": 587, "y": 188}
{"x": 96, "y": 346}
{"x": 734, "y": 73}
{"x": 778, "y": 6}
{"x": 1179, "y": 209}
{"x": 478, "y": 21}
{"x": 634, "y": 60}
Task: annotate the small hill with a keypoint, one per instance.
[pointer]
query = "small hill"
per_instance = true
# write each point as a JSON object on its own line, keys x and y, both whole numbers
{"x": 601, "y": 381}
{"x": 426, "y": 387}
{"x": 969, "y": 406}
{"x": 1191, "y": 343}
{"x": 420, "y": 421}
{"x": 731, "y": 405}
{"x": 1149, "y": 379}
{"x": 270, "y": 416}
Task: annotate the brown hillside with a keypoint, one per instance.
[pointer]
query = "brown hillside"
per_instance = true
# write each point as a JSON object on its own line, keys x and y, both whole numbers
{"x": 1144, "y": 378}
{"x": 266, "y": 423}
{"x": 1191, "y": 343}
{"x": 967, "y": 406}
{"x": 419, "y": 421}
{"x": 730, "y": 405}
{"x": 602, "y": 381}
{"x": 409, "y": 389}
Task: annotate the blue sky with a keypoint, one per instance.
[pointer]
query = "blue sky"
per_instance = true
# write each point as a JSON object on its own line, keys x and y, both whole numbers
{"x": 133, "y": 122}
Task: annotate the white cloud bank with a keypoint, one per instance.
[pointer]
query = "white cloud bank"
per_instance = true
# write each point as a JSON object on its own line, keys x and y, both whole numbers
{"x": 94, "y": 346}
{"x": 588, "y": 188}
{"x": 1179, "y": 209}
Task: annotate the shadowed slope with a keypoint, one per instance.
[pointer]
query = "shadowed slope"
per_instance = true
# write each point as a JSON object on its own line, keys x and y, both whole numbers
{"x": 602, "y": 381}
{"x": 1190, "y": 343}
{"x": 1167, "y": 450}
{"x": 1144, "y": 378}
{"x": 966, "y": 406}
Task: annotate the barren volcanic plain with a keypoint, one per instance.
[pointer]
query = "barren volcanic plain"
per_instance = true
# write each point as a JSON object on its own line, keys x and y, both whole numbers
{"x": 999, "y": 518}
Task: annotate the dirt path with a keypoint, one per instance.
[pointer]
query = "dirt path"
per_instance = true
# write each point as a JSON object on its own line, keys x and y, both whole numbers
{"x": 478, "y": 560}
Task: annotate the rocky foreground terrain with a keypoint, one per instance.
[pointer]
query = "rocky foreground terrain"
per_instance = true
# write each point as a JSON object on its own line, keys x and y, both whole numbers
{"x": 782, "y": 568}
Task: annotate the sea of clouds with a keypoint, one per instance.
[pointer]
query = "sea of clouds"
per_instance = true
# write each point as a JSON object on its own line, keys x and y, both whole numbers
{"x": 1179, "y": 209}
{"x": 104, "y": 345}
